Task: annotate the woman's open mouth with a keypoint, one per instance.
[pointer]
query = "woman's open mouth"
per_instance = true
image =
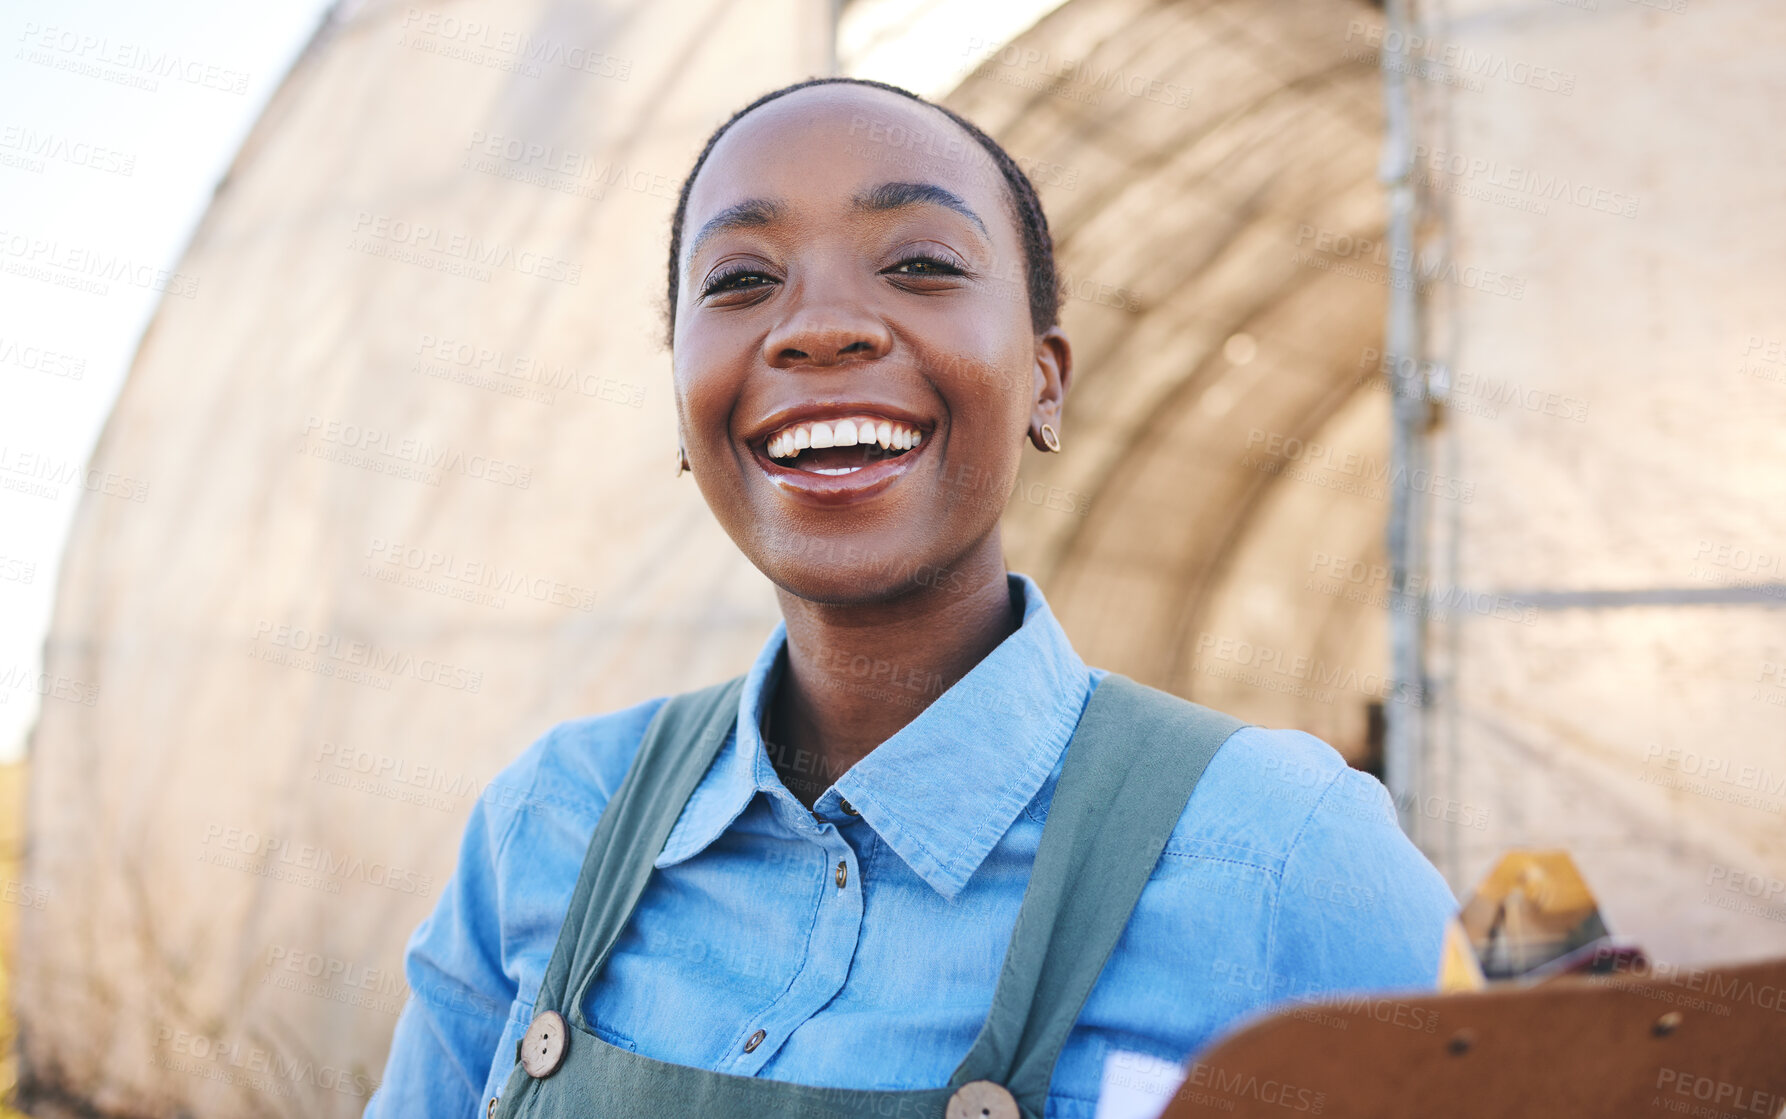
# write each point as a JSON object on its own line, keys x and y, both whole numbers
{"x": 839, "y": 459}
{"x": 841, "y": 446}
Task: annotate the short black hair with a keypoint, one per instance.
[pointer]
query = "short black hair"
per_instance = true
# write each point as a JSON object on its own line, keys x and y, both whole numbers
{"x": 1038, "y": 245}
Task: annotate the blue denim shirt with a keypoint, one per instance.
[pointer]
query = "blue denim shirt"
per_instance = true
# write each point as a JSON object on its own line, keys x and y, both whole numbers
{"x": 1286, "y": 877}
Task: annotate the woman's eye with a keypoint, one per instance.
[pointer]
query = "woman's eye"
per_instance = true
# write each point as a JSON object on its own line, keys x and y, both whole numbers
{"x": 925, "y": 266}
{"x": 740, "y": 280}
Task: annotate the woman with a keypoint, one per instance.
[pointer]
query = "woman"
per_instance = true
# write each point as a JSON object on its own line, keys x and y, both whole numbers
{"x": 795, "y": 893}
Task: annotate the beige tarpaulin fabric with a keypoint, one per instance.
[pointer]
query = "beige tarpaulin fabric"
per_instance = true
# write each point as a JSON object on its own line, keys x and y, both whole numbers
{"x": 1607, "y": 671}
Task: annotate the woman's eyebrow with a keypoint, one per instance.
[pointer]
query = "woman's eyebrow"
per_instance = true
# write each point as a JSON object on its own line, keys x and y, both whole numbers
{"x": 891, "y": 196}
{"x": 757, "y": 212}
{"x": 747, "y": 214}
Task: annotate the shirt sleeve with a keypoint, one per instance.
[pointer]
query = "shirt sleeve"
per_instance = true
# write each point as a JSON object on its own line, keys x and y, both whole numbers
{"x": 1359, "y": 907}
{"x": 459, "y": 993}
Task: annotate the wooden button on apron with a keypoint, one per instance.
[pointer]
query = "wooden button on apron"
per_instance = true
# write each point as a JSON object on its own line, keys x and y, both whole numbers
{"x": 491, "y": 1110}
{"x": 756, "y": 1039}
{"x": 848, "y": 808}
{"x": 982, "y": 1099}
{"x": 542, "y": 1049}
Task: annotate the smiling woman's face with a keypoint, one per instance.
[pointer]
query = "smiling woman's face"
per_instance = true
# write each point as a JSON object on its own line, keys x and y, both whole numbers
{"x": 852, "y": 264}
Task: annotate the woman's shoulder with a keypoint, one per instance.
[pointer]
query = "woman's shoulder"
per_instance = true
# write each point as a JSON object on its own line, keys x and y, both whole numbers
{"x": 575, "y": 767}
{"x": 1263, "y": 787}
{"x": 1265, "y": 791}
{"x": 1287, "y": 803}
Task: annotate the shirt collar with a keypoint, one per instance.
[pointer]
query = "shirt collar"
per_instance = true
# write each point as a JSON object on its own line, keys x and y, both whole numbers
{"x": 947, "y": 786}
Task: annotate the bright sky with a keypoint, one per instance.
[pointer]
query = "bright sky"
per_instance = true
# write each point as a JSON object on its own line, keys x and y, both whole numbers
{"x": 117, "y": 118}
{"x": 929, "y": 46}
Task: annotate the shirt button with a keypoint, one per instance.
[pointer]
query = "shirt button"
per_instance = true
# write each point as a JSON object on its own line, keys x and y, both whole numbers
{"x": 982, "y": 1099}
{"x": 848, "y": 808}
{"x": 843, "y": 875}
{"x": 542, "y": 1049}
{"x": 756, "y": 1039}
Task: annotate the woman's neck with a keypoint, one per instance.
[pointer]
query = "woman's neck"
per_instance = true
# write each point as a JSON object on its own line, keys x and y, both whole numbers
{"x": 853, "y": 675}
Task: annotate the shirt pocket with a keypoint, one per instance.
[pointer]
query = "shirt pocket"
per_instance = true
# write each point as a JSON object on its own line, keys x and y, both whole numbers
{"x": 603, "y": 1029}
{"x": 615, "y": 1038}
{"x": 1069, "y": 1107}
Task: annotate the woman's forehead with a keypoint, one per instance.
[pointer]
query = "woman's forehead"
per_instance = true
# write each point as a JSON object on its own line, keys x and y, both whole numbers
{"x": 822, "y": 148}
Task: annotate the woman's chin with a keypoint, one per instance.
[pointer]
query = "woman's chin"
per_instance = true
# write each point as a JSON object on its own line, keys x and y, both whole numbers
{"x": 866, "y": 582}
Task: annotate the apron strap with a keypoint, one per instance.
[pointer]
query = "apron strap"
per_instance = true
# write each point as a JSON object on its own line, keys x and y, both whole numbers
{"x": 1130, "y": 767}
{"x": 681, "y": 742}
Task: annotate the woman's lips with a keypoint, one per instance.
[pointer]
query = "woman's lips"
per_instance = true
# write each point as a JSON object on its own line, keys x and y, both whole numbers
{"x": 839, "y": 489}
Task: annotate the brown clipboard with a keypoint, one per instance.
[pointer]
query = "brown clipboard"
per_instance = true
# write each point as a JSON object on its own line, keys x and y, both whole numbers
{"x": 1701, "y": 1043}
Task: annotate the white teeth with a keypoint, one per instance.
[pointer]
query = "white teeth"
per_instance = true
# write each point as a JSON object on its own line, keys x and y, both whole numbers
{"x": 835, "y": 469}
{"x": 850, "y": 431}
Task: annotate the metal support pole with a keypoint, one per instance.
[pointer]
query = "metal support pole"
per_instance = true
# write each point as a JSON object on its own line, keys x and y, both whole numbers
{"x": 834, "y": 20}
{"x": 1404, "y": 712}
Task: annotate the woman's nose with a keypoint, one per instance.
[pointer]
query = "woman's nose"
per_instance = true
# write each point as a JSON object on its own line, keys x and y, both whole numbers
{"x": 826, "y": 332}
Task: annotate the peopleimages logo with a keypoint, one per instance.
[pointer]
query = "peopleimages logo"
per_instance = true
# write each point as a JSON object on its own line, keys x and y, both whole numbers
{"x": 124, "y": 63}
{"x": 1266, "y": 1090}
{"x": 1463, "y": 61}
{"x": 499, "y": 48}
{"x": 40, "y": 360}
{"x": 1716, "y": 1093}
{"x": 1370, "y": 583}
{"x": 39, "y": 475}
{"x": 432, "y": 564}
{"x": 1355, "y": 256}
{"x": 262, "y": 851}
{"x": 516, "y": 373}
{"x": 1527, "y": 182}
{"x": 1309, "y": 460}
{"x": 1312, "y": 672}
{"x": 33, "y": 148}
{"x": 1710, "y": 771}
{"x": 1052, "y": 71}
{"x": 420, "y": 453}
{"x": 431, "y": 246}
{"x": 84, "y": 268}
{"x": 354, "y": 659}
{"x": 1461, "y": 389}
{"x": 251, "y": 1066}
{"x": 336, "y": 980}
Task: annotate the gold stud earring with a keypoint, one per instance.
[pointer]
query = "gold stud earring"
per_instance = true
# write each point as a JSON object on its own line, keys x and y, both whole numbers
{"x": 681, "y": 462}
{"x": 1050, "y": 438}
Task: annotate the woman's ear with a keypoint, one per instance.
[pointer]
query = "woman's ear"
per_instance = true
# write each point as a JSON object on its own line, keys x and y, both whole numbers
{"x": 681, "y": 426}
{"x": 1053, "y": 373}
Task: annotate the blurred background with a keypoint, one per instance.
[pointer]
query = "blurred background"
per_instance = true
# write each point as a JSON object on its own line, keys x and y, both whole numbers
{"x": 1431, "y": 397}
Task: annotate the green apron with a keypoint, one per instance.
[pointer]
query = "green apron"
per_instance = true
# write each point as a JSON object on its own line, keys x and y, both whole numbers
{"x": 1130, "y": 767}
